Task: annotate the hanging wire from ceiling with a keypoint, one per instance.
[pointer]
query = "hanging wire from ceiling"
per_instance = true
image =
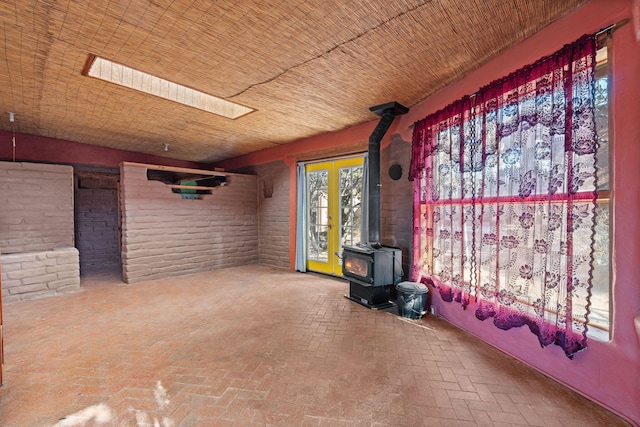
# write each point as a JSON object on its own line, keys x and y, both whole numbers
{"x": 12, "y": 118}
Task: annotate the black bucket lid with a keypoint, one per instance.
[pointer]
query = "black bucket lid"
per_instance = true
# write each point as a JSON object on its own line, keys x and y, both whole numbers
{"x": 412, "y": 288}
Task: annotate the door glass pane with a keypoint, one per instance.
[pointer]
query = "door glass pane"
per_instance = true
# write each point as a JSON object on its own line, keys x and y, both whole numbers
{"x": 350, "y": 190}
{"x": 318, "y": 215}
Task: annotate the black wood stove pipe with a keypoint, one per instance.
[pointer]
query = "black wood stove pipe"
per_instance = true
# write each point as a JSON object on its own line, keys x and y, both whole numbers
{"x": 387, "y": 113}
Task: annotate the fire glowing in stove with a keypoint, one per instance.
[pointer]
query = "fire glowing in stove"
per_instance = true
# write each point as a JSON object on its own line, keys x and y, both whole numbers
{"x": 356, "y": 266}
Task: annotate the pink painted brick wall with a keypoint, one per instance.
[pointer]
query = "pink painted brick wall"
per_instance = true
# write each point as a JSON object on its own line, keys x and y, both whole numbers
{"x": 396, "y": 200}
{"x": 36, "y": 207}
{"x": 163, "y": 235}
{"x": 273, "y": 212}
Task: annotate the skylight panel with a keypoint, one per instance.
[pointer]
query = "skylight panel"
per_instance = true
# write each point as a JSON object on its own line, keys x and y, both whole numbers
{"x": 122, "y": 75}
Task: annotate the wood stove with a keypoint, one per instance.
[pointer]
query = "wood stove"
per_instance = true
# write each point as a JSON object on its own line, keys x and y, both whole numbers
{"x": 371, "y": 273}
{"x": 373, "y": 268}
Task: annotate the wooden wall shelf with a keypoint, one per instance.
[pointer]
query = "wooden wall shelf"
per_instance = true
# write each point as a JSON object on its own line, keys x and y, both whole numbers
{"x": 186, "y": 180}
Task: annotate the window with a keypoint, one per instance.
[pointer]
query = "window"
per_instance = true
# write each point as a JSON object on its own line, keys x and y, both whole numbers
{"x": 600, "y": 310}
{"x": 122, "y": 75}
{"x": 510, "y": 198}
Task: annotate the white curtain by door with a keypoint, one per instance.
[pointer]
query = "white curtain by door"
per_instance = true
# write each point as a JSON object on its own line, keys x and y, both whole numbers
{"x": 301, "y": 220}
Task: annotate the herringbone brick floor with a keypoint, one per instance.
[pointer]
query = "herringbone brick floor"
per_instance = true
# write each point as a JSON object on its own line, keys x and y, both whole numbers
{"x": 259, "y": 346}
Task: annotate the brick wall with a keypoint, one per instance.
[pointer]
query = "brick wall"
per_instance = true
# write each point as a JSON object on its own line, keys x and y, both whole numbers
{"x": 96, "y": 220}
{"x": 163, "y": 235}
{"x": 36, "y": 207}
{"x": 396, "y": 201}
{"x": 36, "y": 231}
{"x": 273, "y": 213}
{"x": 39, "y": 274}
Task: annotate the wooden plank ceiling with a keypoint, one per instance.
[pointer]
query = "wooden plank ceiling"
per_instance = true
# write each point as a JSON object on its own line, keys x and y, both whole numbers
{"x": 306, "y": 67}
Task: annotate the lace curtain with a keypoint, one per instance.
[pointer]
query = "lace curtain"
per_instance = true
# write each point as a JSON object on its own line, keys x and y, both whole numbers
{"x": 504, "y": 198}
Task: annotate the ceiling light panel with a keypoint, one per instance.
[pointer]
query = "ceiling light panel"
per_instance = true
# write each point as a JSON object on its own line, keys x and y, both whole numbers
{"x": 122, "y": 75}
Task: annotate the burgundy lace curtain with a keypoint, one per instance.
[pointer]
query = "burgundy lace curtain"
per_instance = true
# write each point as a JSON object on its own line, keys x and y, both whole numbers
{"x": 504, "y": 198}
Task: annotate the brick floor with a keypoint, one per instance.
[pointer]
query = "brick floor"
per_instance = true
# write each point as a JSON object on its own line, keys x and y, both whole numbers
{"x": 259, "y": 346}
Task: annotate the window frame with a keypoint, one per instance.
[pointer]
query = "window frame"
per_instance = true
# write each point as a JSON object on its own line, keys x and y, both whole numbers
{"x": 604, "y": 70}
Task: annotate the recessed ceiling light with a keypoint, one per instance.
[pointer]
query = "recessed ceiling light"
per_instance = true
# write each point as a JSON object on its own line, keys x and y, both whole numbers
{"x": 122, "y": 75}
